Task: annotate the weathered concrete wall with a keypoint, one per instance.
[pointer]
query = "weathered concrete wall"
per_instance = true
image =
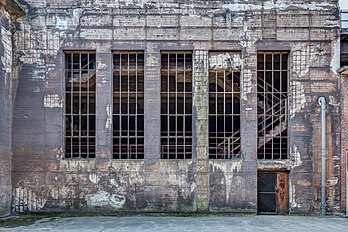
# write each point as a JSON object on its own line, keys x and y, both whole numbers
{"x": 46, "y": 181}
{"x": 8, "y": 13}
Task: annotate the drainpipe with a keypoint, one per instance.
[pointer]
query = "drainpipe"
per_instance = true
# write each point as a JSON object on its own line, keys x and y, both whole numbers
{"x": 323, "y": 161}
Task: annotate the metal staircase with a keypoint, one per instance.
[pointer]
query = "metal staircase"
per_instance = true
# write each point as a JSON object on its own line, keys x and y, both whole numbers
{"x": 272, "y": 113}
{"x": 230, "y": 146}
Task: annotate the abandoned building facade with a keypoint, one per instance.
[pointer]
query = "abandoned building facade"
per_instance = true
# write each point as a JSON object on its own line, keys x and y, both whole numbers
{"x": 169, "y": 106}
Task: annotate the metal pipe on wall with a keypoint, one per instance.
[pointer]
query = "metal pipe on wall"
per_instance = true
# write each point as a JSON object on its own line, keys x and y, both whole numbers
{"x": 323, "y": 160}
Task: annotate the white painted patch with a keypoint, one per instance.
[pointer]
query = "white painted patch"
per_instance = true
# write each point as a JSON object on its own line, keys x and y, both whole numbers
{"x": 246, "y": 83}
{"x": 193, "y": 186}
{"x": 224, "y": 60}
{"x": 60, "y": 22}
{"x": 292, "y": 196}
{"x": 298, "y": 99}
{"x": 53, "y": 101}
{"x": 101, "y": 65}
{"x": 60, "y": 153}
{"x": 55, "y": 193}
{"x": 113, "y": 182}
{"x": 103, "y": 198}
{"x": 6, "y": 59}
{"x": 278, "y": 5}
{"x": 25, "y": 199}
{"x": 304, "y": 57}
{"x": 295, "y": 157}
{"x": 336, "y": 55}
{"x": 94, "y": 178}
{"x": 109, "y": 116}
{"x": 333, "y": 101}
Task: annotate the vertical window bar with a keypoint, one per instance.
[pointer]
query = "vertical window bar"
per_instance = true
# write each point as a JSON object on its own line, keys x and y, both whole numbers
{"x": 176, "y": 137}
{"x": 224, "y": 121}
{"x": 272, "y": 117}
{"x": 78, "y": 124}
{"x": 128, "y": 131}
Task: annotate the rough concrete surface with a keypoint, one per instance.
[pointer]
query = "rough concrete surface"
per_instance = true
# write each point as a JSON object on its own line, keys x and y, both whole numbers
{"x": 206, "y": 223}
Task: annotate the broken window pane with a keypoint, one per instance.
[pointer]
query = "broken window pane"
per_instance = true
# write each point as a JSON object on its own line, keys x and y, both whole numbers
{"x": 80, "y": 104}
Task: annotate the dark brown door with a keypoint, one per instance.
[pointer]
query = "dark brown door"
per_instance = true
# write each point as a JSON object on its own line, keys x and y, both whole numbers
{"x": 272, "y": 193}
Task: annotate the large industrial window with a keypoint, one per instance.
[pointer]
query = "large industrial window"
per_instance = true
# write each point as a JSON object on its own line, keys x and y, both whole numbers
{"x": 224, "y": 111}
{"x": 128, "y": 105}
{"x": 80, "y": 104}
{"x": 176, "y": 105}
{"x": 272, "y": 111}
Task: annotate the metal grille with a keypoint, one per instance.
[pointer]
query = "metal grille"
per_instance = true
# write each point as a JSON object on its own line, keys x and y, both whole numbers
{"x": 272, "y": 109}
{"x": 176, "y": 105}
{"x": 80, "y": 104}
{"x": 128, "y": 105}
{"x": 224, "y": 114}
{"x": 266, "y": 193}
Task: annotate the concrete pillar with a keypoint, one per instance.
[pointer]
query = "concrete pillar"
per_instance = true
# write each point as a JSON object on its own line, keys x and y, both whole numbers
{"x": 152, "y": 122}
{"x": 103, "y": 106}
{"x": 152, "y": 100}
{"x": 200, "y": 128}
{"x": 247, "y": 198}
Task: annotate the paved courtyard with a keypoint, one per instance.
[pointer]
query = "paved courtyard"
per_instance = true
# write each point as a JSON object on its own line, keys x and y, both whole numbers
{"x": 183, "y": 224}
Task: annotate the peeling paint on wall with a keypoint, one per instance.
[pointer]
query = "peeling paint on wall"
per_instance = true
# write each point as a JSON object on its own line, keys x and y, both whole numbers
{"x": 333, "y": 101}
{"x": 101, "y": 65}
{"x": 103, "y": 198}
{"x": 298, "y": 98}
{"x": 94, "y": 178}
{"x": 26, "y": 200}
{"x": 304, "y": 57}
{"x": 224, "y": 60}
{"x": 108, "y": 123}
{"x": 277, "y": 5}
{"x": 335, "y": 53}
{"x": 246, "y": 84}
{"x": 295, "y": 157}
{"x": 331, "y": 189}
{"x": 53, "y": 101}
{"x": 292, "y": 196}
{"x": 6, "y": 60}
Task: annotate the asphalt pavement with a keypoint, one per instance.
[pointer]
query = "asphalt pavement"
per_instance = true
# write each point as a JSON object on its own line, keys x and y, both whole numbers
{"x": 188, "y": 224}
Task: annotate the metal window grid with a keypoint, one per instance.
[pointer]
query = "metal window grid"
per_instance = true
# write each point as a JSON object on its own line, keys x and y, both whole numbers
{"x": 272, "y": 112}
{"x": 80, "y": 104}
{"x": 224, "y": 114}
{"x": 128, "y": 105}
{"x": 176, "y": 105}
